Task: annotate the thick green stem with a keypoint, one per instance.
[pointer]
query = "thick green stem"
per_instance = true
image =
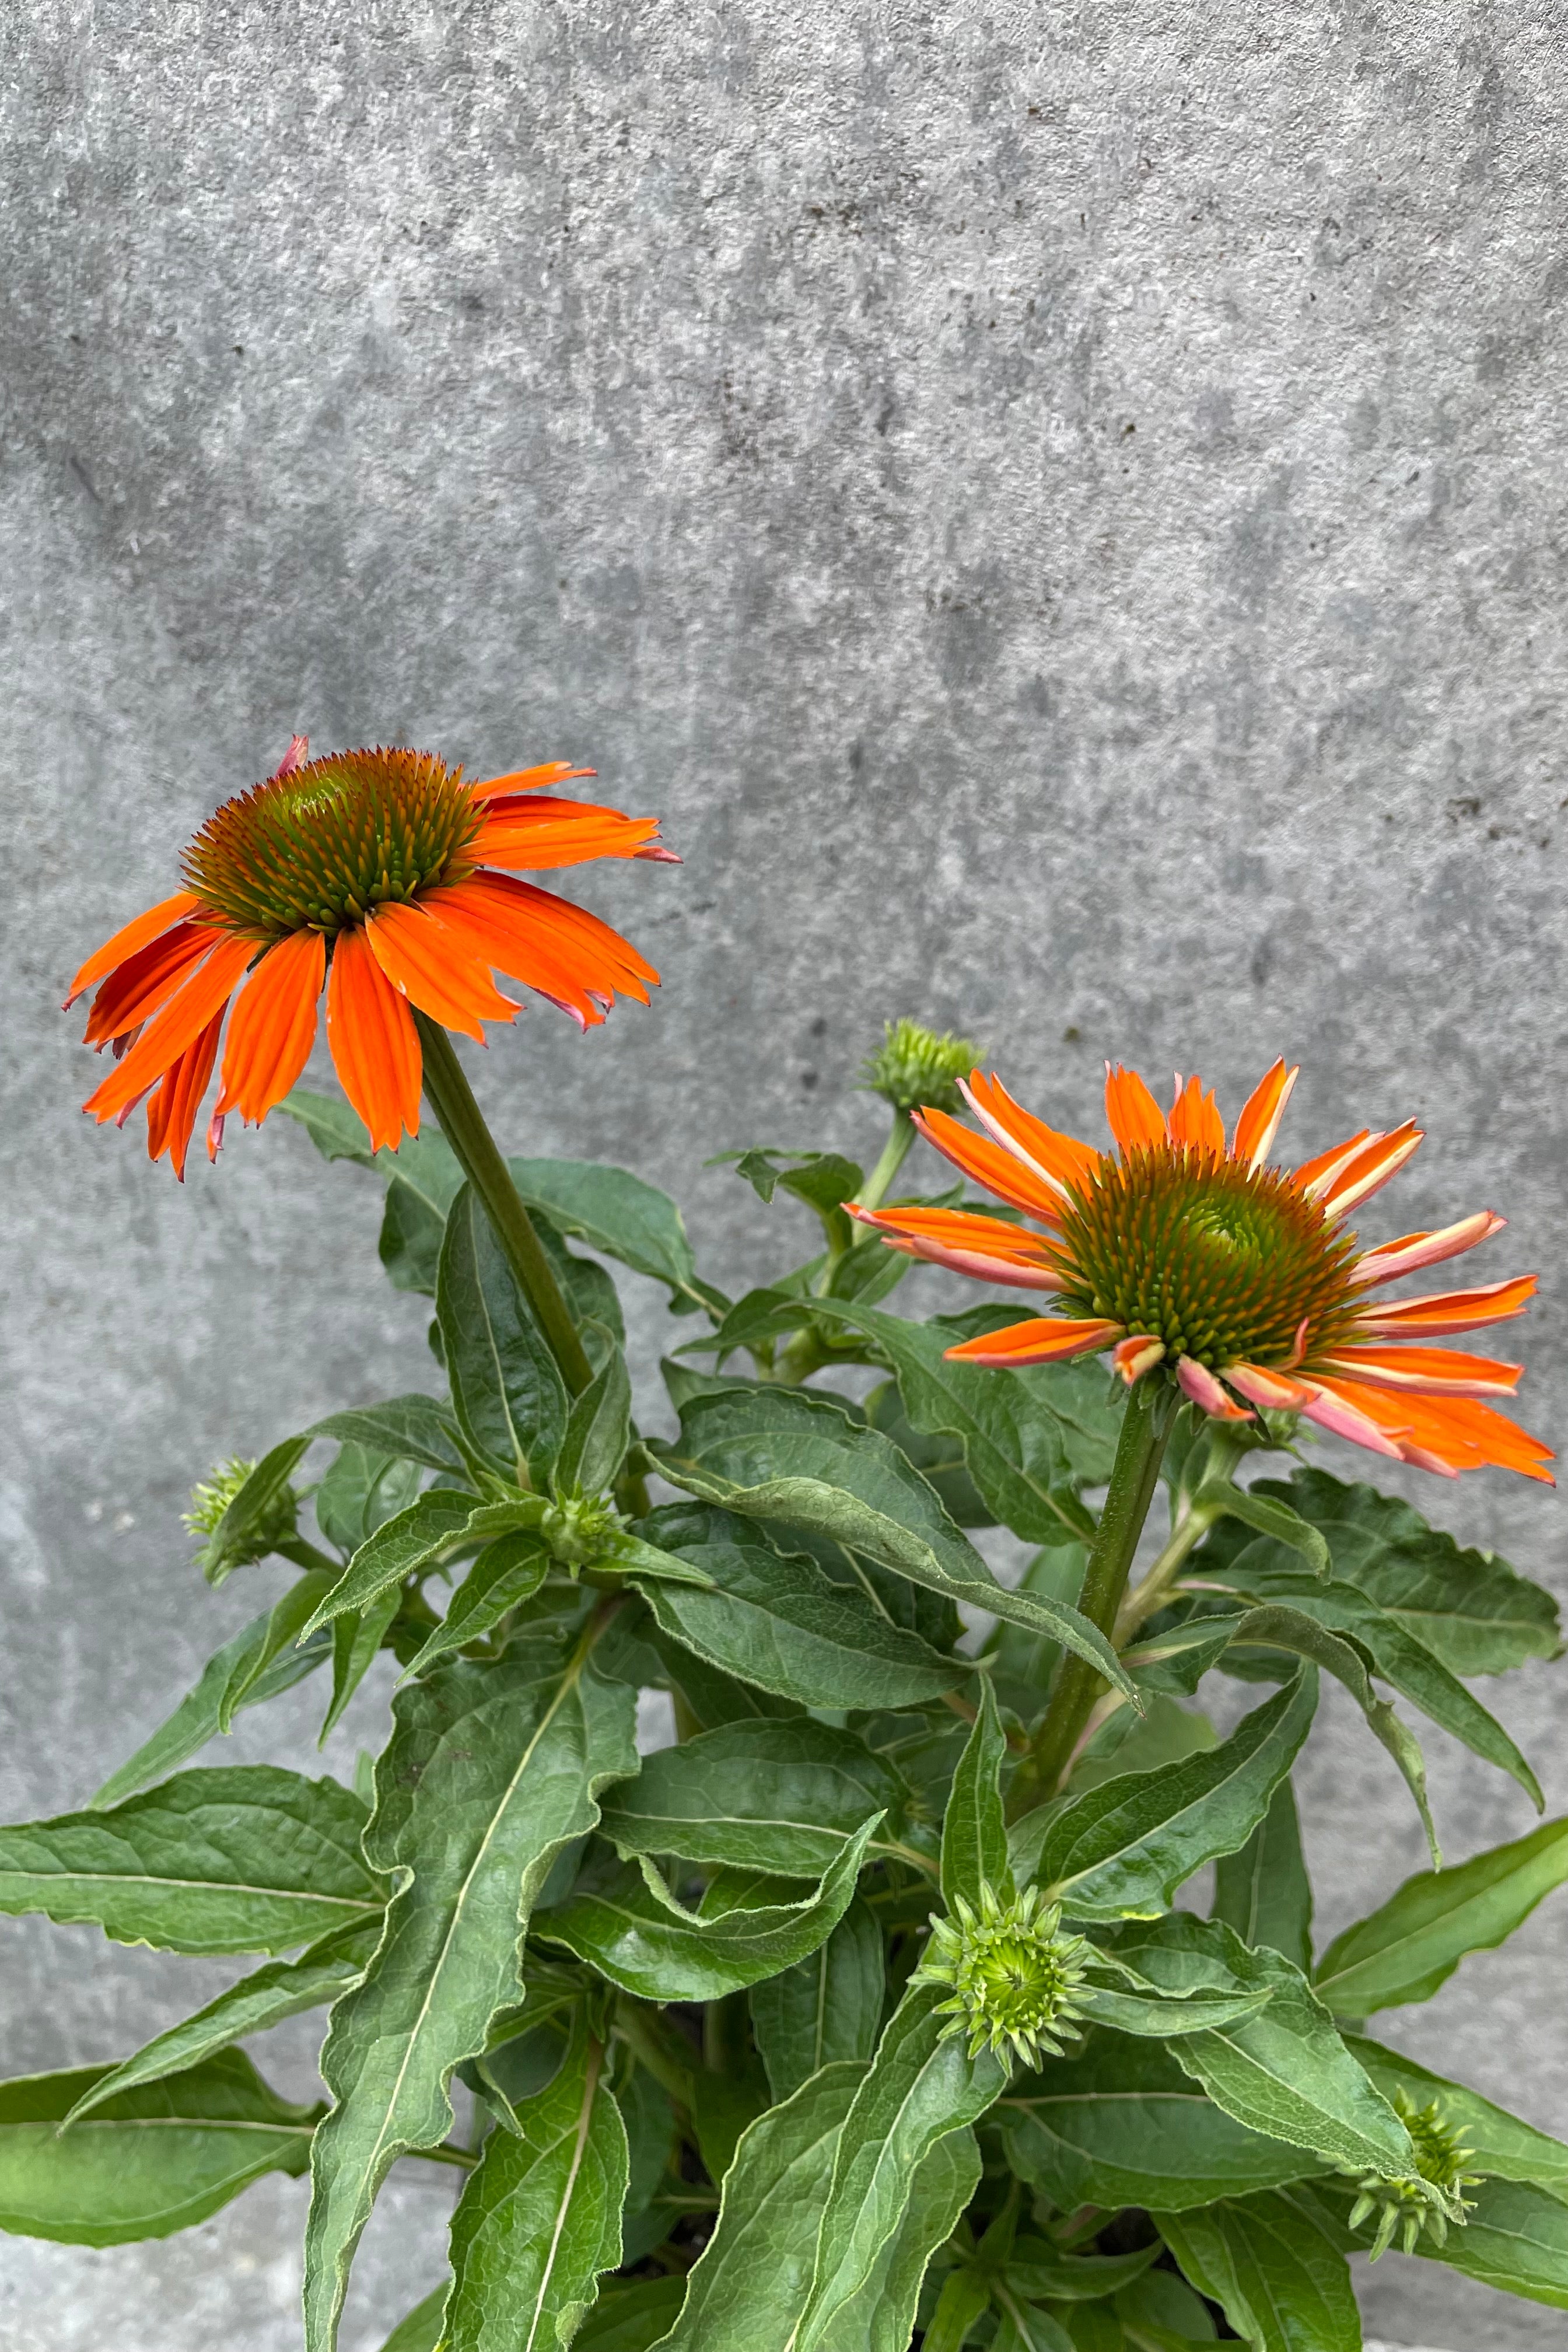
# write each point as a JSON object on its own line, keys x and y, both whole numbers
{"x": 1145, "y": 1429}
{"x": 462, "y": 1123}
{"x": 895, "y": 1151}
{"x": 1195, "y": 1514}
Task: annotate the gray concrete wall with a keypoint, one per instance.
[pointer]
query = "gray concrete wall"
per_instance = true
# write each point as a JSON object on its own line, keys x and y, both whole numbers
{"x": 1061, "y": 508}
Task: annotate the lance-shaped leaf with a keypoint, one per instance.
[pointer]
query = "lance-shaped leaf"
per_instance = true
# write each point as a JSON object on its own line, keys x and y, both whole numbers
{"x": 1132, "y": 2004}
{"x": 1502, "y": 2145}
{"x": 421, "y": 2330}
{"x": 362, "y": 1488}
{"x": 1266, "y": 1512}
{"x": 252, "y": 1859}
{"x": 598, "y": 1430}
{"x": 1283, "y": 2071}
{"x": 149, "y": 2161}
{"x": 1122, "y": 1849}
{"x": 435, "y": 1529}
{"x": 973, "y": 1828}
{"x": 1125, "y": 2125}
{"x": 409, "y": 1428}
{"x": 286, "y": 1621}
{"x": 1414, "y": 1941}
{"x": 778, "y": 1622}
{"x": 248, "y": 1525}
{"x": 507, "y": 1390}
{"x": 356, "y": 1638}
{"x": 198, "y": 1716}
{"x": 920, "y": 2087}
{"x": 282, "y": 1988}
{"x": 880, "y": 2316}
{"x": 540, "y": 2216}
{"x": 1263, "y": 1891}
{"x": 1281, "y": 2281}
{"x": 827, "y": 2007}
{"x": 632, "y": 2318}
{"x": 780, "y": 1455}
{"x": 620, "y": 1215}
{"x": 778, "y": 1797}
{"x": 506, "y": 1573}
{"x": 493, "y": 1771}
{"x": 1039, "y": 2270}
{"x": 621, "y": 1919}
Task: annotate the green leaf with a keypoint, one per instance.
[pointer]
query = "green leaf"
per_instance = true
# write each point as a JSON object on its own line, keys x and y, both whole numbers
{"x": 965, "y": 2295}
{"x": 598, "y": 1430}
{"x": 413, "y": 1428}
{"x": 1022, "y": 2330}
{"x": 621, "y": 1215}
{"x": 776, "y": 1797}
{"x": 493, "y": 1771}
{"x": 624, "y": 1921}
{"x": 357, "y": 1638}
{"x": 1283, "y": 2071}
{"x": 282, "y": 1988}
{"x": 880, "y": 2317}
{"x": 775, "y": 1619}
{"x": 1160, "y": 2300}
{"x": 1134, "y": 2005}
{"x": 241, "y": 1535}
{"x": 1263, "y": 1509}
{"x": 782, "y": 1455}
{"x": 939, "y": 1458}
{"x": 506, "y": 1573}
{"x": 1121, "y": 1850}
{"x": 507, "y": 1390}
{"x": 1166, "y": 1733}
{"x": 1282, "y": 2281}
{"x": 421, "y": 2331}
{"x": 252, "y": 1859}
{"x": 540, "y": 2216}
{"x": 1262, "y": 1891}
{"x": 151, "y": 2162}
{"x": 1041, "y": 2272}
{"x": 827, "y": 2007}
{"x": 1029, "y": 1440}
{"x": 632, "y": 2318}
{"x": 1125, "y": 2125}
{"x": 427, "y": 1533}
{"x": 1414, "y": 1941}
{"x": 198, "y": 1718}
{"x": 1503, "y": 2147}
{"x": 362, "y": 1490}
{"x": 286, "y": 1621}
{"x": 1514, "y": 2238}
{"x": 337, "y": 1131}
{"x": 975, "y": 1828}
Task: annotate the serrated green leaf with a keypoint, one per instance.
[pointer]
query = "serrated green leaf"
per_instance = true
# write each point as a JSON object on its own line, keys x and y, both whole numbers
{"x": 974, "y": 1827}
{"x": 598, "y": 1430}
{"x": 617, "y": 1212}
{"x": 1503, "y": 2147}
{"x": 491, "y": 1772}
{"x": 1262, "y": 1890}
{"x": 776, "y": 1797}
{"x": 282, "y": 1988}
{"x": 1414, "y": 1941}
{"x": 410, "y": 1428}
{"x": 507, "y": 1388}
{"x": 540, "y": 2216}
{"x": 428, "y": 1532}
{"x": 506, "y": 1573}
{"x": 1125, "y": 2125}
{"x": 880, "y": 2316}
{"x": 938, "y": 1456}
{"x": 286, "y": 1621}
{"x": 151, "y": 2162}
{"x": 624, "y": 1921}
{"x": 827, "y": 2008}
{"x": 1267, "y": 1512}
{"x": 1282, "y": 2281}
{"x": 197, "y": 1719}
{"x": 251, "y": 1859}
{"x": 781, "y": 1456}
{"x": 357, "y": 1638}
{"x": 1122, "y": 1849}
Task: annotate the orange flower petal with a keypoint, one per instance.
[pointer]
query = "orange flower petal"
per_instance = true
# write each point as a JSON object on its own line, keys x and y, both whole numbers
{"x": 1451, "y": 1434}
{"x": 1389, "y": 1260}
{"x": 171, "y": 1113}
{"x": 1431, "y": 1371}
{"x": 1060, "y": 1159}
{"x": 985, "y": 1247}
{"x": 529, "y": 780}
{"x": 1194, "y": 1119}
{"x": 1451, "y": 1311}
{"x": 181, "y": 1021}
{"x": 543, "y": 833}
{"x": 573, "y": 929}
{"x": 1339, "y": 1405}
{"x": 1263, "y": 1384}
{"x": 376, "y": 1047}
{"x": 1043, "y": 1340}
{"x": 1259, "y": 1122}
{"x": 1134, "y": 1117}
{"x": 1001, "y": 1171}
{"x": 274, "y": 1026}
{"x": 1369, "y": 1171}
{"x": 134, "y": 935}
{"x": 1196, "y": 1380}
{"x": 1314, "y": 1176}
{"x": 416, "y": 953}
{"x": 135, "y": 990}
{"x": 513, "y": 925}
{"x": 1137, "y": 1354}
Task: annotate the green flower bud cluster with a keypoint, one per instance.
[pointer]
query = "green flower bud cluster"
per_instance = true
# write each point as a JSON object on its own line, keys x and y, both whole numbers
{"x": 1426, "y": 2202}
{"x": 577, "y": 1527}
{"x": 1015, "y": 1978}
{"x": 209, "y": 1503}
{"x": 917, "y": 1070}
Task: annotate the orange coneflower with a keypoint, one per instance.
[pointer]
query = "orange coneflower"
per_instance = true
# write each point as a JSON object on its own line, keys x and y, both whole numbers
{"x": 372, "y": 875}
{"x": 1230, "y": 1273}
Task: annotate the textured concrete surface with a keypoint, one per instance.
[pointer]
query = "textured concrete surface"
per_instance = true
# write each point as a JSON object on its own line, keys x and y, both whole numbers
{"x": 1060, "y": 507}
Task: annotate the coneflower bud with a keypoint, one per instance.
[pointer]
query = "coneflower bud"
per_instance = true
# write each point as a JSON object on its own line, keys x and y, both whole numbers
{"x": 210, "y": 1501}
{"x": 914, "y": 1070}
{"x": 1015, "y": 1978}
{"x": 1424, "y": 2202}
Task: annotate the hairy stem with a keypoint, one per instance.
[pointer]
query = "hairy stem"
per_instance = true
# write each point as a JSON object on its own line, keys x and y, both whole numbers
{"x": 1195, "y": 1514}
{"x": 895, "y": 1151}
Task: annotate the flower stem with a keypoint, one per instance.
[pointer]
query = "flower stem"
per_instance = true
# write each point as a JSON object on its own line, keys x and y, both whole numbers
{"x": 895, "y": 1151}
{"x": 1145, "y": 1426}
{"x": 462, "y": 1123}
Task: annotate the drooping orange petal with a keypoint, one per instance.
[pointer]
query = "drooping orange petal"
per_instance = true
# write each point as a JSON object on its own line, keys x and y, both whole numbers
{"x": 985, "y": 1247}
{"x": 422, "y": 958}
{"x": 1196, "y": 1380}
{"x": 134, "y": 935}
{"x": 1370, "y": 1170}
{"x": 274, "y": 1026}
{"x": 1449, "y": 1433}
{"x": 182, "y": 1020}
{"x": 1389, "y": 1260}
{"x": 1043, "y": 1340}
{"x": 1339, "y": 1405}
{"x": 1263, "y": 1384}
{"x": 1314, "y": 1176}
{"x": 1001, "y": 1173}
{"x": 1451, "y": 1310}
{"x": 134, "y": 991}
{"x": 539, "y": 834}
{"x": 1134, "y": 1117}
{"x": 1194, "y": 1119}
{"x": 1063, "y": 1162}
{"x": 529, "y": 780}
{"x": 1429, "y": 1372}
{"x": 376, "y": 1047}
{"x": 171, "y": 1113}
{"x": 1261, "y": 1113}
{"x": 515, "y": 927}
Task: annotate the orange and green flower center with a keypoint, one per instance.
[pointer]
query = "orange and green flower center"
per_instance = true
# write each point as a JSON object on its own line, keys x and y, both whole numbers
{"x": 318, "y": 849}
{"x": 1221, "y": 1262}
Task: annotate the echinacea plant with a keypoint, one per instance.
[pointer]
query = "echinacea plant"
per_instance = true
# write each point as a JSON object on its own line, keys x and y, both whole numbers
{"x": 867, "y": 2013}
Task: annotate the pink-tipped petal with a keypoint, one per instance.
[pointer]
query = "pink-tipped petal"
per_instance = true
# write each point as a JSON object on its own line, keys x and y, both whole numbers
{"x": 1426, "y": 1371}
{"x": 1198, "y": 1382}
{"x": 1370, "y": 1170}
{"x": 657, "y": 854}
{"x": 1411, "y": 1252}
{"x": 1447, "y": 1311}
{"x": 1275, "y": 1391}
{"x": 294, "y": 757}
{"x": 1336, "y": 1413}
